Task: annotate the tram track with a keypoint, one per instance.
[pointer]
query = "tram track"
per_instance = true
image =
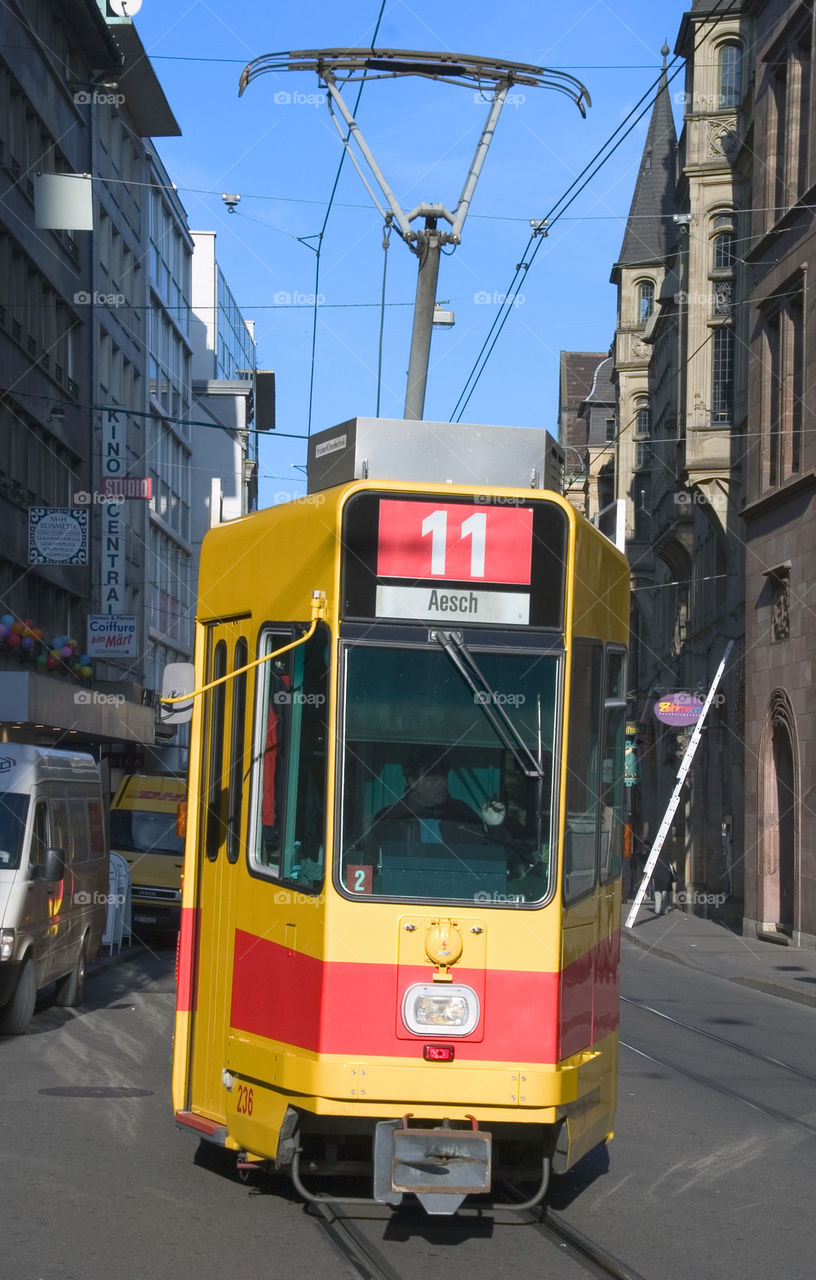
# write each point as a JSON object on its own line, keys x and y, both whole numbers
{"x": 602, "y": 1263}
{"x": 369, "y": 1263}
{"x": 365, "y": 1258}
{"x": 773, "y": 1112}
{"x": 711, "y": 1035}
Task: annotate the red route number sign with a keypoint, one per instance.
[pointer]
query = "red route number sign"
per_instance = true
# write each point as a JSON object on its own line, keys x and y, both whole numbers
{"x": 454, "y": 541}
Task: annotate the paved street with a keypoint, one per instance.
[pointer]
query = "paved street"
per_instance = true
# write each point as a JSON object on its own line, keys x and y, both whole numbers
{"x": 698, "y": 1181}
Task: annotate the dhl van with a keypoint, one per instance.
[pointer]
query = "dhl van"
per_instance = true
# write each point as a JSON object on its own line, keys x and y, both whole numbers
{"x": 143, "y": 829}
{"x": 54, "y": 886}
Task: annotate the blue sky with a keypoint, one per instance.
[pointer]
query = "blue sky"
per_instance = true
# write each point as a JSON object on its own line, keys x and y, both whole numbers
{"x": 277, "y": 148}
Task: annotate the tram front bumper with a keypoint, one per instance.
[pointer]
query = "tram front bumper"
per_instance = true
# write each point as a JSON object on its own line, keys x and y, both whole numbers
{"x": 439, "y": 1166}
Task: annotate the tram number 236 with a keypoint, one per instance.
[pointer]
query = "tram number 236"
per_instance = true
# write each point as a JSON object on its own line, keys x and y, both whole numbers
{"x": 246, "y": 1100}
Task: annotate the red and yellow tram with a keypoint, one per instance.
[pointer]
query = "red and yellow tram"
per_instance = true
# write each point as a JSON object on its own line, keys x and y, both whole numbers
{"x": 401, "y": 907}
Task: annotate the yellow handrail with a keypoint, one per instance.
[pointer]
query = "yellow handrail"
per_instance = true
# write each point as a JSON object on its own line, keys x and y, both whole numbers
{"x": 318, "y": 612}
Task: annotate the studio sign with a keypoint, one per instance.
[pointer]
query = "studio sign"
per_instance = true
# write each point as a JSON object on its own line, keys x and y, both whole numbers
{"x": 678, "y": 709}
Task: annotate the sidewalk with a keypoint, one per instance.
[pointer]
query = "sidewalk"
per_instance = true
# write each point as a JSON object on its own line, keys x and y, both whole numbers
{"x": 711, "y": 947}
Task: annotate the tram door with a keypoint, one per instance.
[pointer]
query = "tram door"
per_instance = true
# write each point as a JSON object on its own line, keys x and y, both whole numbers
{"x": 223, "y": 803}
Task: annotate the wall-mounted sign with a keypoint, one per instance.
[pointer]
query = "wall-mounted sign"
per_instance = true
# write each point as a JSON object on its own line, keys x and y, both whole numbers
{"x": 678, "y": 709}
{"x": 112, "y": 552}
{"x": 127, "y": 487}
{"x": 57, "y": 535}
{"x": 112, "y": 635}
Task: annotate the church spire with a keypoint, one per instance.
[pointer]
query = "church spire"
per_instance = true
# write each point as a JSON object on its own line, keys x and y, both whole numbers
{"x": 647, "y": 236}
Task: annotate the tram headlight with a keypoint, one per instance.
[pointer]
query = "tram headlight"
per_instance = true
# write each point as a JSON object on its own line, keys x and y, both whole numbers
{"x": 428, "y": 1010}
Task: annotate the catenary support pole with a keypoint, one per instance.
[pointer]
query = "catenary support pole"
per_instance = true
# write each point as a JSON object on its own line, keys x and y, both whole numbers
{"x": 429, "y": 246}
{"x": 685, "y": 765}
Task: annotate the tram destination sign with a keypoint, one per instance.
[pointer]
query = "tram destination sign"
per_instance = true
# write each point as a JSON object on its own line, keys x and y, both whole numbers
{"x": 427, "y": 558}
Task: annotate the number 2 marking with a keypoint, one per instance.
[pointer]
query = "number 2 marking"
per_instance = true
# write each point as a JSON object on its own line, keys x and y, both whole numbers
{"x": 359, "y": 880}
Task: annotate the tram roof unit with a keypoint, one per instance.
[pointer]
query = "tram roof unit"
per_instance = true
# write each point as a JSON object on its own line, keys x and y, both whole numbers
{"x": 453, "y": 452}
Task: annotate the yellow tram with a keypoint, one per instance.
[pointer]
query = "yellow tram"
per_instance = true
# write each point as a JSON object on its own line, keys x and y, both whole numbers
{"x": 399, "y": 948}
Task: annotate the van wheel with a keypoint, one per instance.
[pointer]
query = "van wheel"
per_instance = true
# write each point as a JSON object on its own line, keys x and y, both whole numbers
{"x": 71, "y": 988}
{"x": 19, "y": 1011}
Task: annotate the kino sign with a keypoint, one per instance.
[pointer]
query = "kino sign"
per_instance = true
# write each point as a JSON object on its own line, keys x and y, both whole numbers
{"x": 112, "y": 557}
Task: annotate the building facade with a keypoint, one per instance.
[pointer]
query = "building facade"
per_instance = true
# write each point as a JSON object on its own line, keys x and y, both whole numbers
{"x": 679, "y": 366}
{"x": 576, "y": 373}
{"x": 780, "y": 510}
{"x": 225, "y": 484}
{"x": 97, "y": 350}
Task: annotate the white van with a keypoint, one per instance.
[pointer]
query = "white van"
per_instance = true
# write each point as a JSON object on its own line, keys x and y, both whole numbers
{"x": 53, "y": 877}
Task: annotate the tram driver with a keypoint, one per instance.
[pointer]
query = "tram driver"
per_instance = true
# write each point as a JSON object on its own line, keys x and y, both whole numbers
{"x": 427, "y": 815}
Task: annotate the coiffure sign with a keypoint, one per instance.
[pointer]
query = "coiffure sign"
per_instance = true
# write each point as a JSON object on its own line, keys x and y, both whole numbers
{"x": 678, "y": 709}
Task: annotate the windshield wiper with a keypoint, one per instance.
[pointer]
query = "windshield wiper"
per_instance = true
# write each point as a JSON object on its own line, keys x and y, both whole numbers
{"x": 485, "y": 697}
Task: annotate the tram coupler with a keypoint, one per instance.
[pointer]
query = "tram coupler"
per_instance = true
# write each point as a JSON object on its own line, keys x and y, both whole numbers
{"x": 439, "y": 1166}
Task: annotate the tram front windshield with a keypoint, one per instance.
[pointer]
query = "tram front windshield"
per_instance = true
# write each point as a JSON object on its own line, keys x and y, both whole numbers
{"x": 443, "y": 799}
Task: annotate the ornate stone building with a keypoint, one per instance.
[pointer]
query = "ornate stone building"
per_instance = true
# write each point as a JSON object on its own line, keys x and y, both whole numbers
{"x": 678, "y": 366}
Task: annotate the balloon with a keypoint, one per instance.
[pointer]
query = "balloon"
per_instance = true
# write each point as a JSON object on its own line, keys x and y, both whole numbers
{"x": 85, "y": 658}
{"x": 27, "y": 642}
{"x": 17, "y": 628}
{"x": 85, "y": 671}
{"x": 37, "y": 633}
{"x": 14, "y": 640}
{"x": 4, "y": 630}
{"x": 7, "y": 620}
{"x": 51, "y": 662}
{"x": 66, "y": 651}
{"x": 74, "y": 644}
{"x": 41, "y": 659}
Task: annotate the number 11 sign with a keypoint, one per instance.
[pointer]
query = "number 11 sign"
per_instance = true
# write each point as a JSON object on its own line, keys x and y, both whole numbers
{"x": 454, "y": 542}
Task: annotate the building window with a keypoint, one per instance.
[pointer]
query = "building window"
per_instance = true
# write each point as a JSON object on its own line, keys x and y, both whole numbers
{"x": 722, "y": 270}
{"x": 722, "y": 379}
{"x": 646, "y": 295}
{"x": 782, "y": 404}
{"x": 610, "y": 429}
{"x": 724, "y": 251}
{"x": 788, "y": 122}
{"x": 730, "y": 75}
{"x": 643, "y": 431}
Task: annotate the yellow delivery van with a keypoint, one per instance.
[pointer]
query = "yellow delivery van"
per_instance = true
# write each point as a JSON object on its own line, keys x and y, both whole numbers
{"x": 143, "y": 829}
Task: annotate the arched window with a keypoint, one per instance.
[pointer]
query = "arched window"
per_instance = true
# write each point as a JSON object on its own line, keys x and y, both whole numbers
{"x": 730, "y": 75}
{"x": 643, "y": 431}
{"x": 646, "y": 296}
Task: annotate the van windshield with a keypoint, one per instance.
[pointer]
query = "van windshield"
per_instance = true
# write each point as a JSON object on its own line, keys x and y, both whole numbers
{"x": 13, "y": 811}
{"x": 141, "y": 831}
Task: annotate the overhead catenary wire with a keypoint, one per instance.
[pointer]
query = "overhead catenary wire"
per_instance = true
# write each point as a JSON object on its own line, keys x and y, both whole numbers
{"x": 322, "y": 232}
{"x": 556, "y": 213}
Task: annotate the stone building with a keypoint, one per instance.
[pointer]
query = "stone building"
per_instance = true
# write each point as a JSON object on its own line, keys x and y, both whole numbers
{"x": 678, "y": 364}
{"x": 780, "y": 511}
{"x": 576, "y": 372}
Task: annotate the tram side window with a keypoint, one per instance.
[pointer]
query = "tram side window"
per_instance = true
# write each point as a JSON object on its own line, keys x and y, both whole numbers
{"x": 214, "y": 799}
{"x": 581, "y": 828}
{"x": 236, "y": 769}
{"x": 290, "y": 813}
{"x": 612, "y": 765}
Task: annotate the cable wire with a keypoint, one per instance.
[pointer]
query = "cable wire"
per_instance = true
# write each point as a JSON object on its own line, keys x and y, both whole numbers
{"x": 560, "y": 206}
